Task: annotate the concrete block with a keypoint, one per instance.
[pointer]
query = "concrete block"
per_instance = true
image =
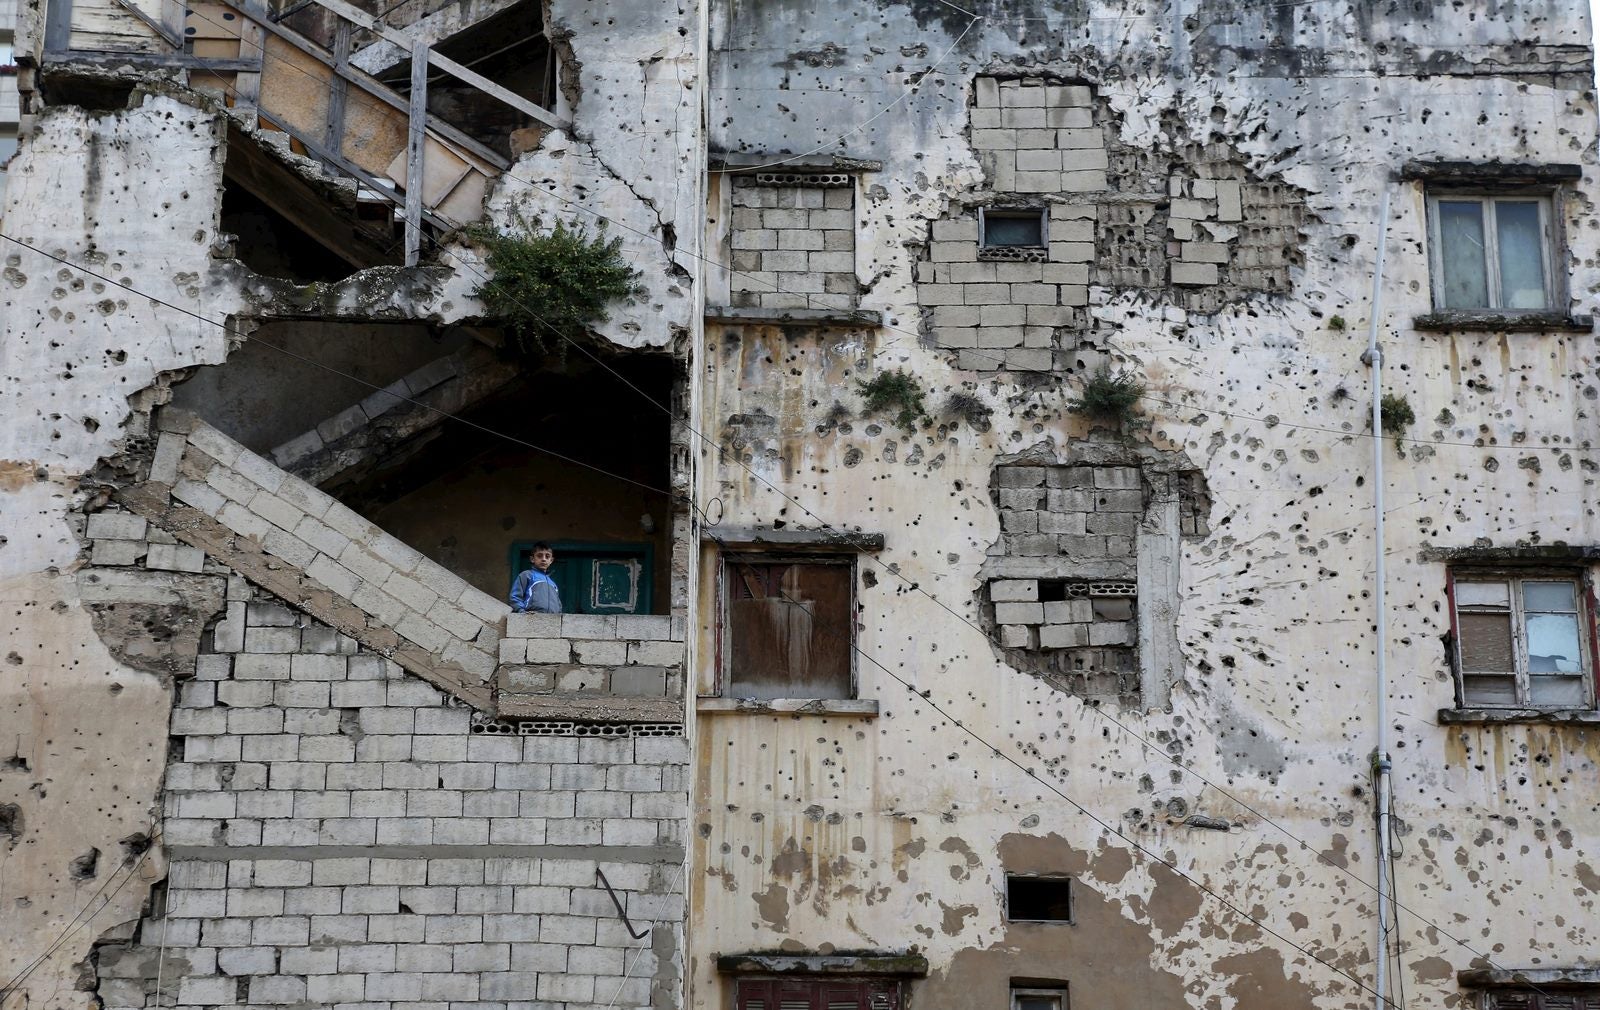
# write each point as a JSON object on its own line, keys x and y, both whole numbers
{"x": 1065, "y": 118}
{"x": 1083, "y": 182}
{"x": 1229, "y": 201}
{"x": 553, "y": 650}
{"x": 1063, "y": 636}
{"x": 202, "y": 496}
{"x": 1013, "y": 118}
{"x": 1035, "y": 140}
{"x": 117, "y": 552}
{"x": 116, "y": 526}
{"x": 986, "y": 92}
{"x": 1038, "y": 182}
{"x": 639, "y": 682}
{"x": 1033, "y": 294}
{"x": 1016, "y": 636}
{"x": 1018, "y": 613}
{"x": 1112, "y": 633}
{"x": 271, "y": 640}
{"x": 175, "y": 558}
{"x": 956, "y": 336}
{"x": 1089, "y": 159}
{"x": 1014, "y": 591}
{"x": 656, "y": 653}
{"x": 1194, "y": 274}
{"x": 1029, "y": 359}
{"x": 609, "y": 653}
{"x": 533, "y": 625}
{"x": 1077, "y": 95}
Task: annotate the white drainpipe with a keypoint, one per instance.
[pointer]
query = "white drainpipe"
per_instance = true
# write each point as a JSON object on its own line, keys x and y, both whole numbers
{"x": 1374, "y": 359}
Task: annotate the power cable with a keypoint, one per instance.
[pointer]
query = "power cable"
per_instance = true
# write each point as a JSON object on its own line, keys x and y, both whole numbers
{"x": 808, "y": 511}
{"x": 704, "y": 518}
{"x": 927, "y": 697}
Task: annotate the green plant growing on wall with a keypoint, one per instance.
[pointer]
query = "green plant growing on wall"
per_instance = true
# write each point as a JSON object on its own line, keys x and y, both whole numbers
{"x": 1336, "y": 323}
{"x": 1110, "y": 396}
{"x": 1397, "y": 415}
{"x": 894, "y": 389}
{"x": 551, "y": 286}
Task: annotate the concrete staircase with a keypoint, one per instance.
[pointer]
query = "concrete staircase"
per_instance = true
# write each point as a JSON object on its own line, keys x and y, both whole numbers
{"x": 222, "y": 502}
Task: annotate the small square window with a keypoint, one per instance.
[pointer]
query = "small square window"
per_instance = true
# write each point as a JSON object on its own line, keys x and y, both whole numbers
{"x": 1492, "y": 250}
{"x": 1038, "y": 998}
{"x": 1012, "y": 229}
{"x": 1038, "y": 899}
{"x": 788, "y": 627}
{"x": 1521, "y": 640}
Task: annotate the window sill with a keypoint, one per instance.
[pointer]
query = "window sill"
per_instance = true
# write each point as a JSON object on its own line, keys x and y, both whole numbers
{"x": 1511, "y": 322}
{"x": 1569, "y": 716}
{"x": 846, "y": 318}
{"x": 865, "y": 708}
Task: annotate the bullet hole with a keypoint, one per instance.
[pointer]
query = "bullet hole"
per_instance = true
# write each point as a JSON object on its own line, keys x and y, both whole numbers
{"x": 16, "y": 763}
{"x": 14, "y": 658}
{"x": 134, "y": 846}
{"x": 85, "y": 867}
{"x": 11, "y": 823}
{"x": 869, "y": 577}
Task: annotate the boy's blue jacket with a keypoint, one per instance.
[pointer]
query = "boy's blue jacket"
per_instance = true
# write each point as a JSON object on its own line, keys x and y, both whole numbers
{"x": 534, "y": 592}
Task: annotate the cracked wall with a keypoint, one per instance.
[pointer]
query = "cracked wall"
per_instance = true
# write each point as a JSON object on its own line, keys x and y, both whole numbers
{"x": 87, "y": 697}
{"x": 847, "y": 833}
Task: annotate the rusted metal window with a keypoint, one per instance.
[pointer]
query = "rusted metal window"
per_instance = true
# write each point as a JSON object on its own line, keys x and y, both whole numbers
{"x": 818, "y": 994}
{"x": 1038, "y": 899}
{"x": 1523, "y": 640}
{"x": 788, "y": 627}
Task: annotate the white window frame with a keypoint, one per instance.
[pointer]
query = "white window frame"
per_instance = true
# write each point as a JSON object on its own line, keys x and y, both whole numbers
{"x": 1058, "y": 992}
{"x": 1543, "y": 196}
{"x": 1519, "y": 633}
{"x": 1043, "y": 214}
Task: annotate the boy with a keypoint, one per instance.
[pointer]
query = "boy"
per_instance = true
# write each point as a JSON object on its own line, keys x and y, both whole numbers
{"x": 535, "y": 592}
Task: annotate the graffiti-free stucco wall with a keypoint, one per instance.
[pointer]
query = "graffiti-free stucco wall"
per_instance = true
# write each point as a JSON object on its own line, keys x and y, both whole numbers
{"x": 890, "y": 833}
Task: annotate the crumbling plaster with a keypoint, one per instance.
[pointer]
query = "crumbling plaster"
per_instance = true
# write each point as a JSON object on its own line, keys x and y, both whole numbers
{"x": 76, "y": 353}
{"x": 844, "y": 833}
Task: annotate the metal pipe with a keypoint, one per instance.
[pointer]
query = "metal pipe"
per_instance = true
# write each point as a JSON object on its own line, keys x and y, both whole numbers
{"x": 1380, "y": 763}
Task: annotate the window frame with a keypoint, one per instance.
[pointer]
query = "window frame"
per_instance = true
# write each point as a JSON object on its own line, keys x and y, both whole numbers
{"x": 1552, "y": 239}
{"x": 1059, "y": 992}
{"x": 1588, "y": 643}
{"x": 890, "y": 991}
{"x": 1013, "y": 213}
{"x": 730, "y": 556}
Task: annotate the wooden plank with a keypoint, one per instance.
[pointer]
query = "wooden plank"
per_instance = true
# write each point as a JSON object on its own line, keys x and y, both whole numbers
{"x": 175, "y": 60}
{"x": 340, "y": 86}
{"x": 247, "y": 85}
{"x": 494, "y": 90}
{"x": 464, "y": 205}
{"x": 105, "y": 26}
{"x": 414, "y": 153}
{"x": 493, "y": 161}
{"x": 156, "y": 26}
{"x": 207, "y": 20}
{"x": 294, "y": 88}
{"x": 441, "y": 171}
{"x": 446, "y": 64}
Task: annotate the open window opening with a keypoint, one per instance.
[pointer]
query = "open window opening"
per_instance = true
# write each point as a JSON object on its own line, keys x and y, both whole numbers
{"x": 1028, "y": 994}
{"x": 1013, "y": 228}
{"x": 1032, "y": 898}
{"x": 403, "y": 424}
{"x": 511, "y": 49}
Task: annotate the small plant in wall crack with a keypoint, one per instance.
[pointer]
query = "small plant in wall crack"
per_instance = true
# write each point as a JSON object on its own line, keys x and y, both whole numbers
{"x": 1397, "y": 415}
{"x": 549, "y": 287}
{"x": 1109, "y": 396}
{"x": 891, "y": 390}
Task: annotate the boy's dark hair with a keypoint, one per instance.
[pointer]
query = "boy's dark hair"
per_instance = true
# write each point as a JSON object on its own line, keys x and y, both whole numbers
{"x": 541, "y": 546}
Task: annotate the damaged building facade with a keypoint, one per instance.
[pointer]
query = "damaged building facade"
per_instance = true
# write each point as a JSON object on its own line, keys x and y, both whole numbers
{"x": 967, "y": 526}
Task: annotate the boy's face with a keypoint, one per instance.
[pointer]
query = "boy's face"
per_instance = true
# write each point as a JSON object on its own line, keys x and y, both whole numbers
{"x": 543, "y": 558}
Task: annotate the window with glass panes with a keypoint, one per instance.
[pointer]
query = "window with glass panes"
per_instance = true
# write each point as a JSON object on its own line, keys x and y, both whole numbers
{"x": 1012, "y": 229}
{"x": 818, "y": 994}
{"x": 1491, "y": 251}
{"x": 1522, "y": 640}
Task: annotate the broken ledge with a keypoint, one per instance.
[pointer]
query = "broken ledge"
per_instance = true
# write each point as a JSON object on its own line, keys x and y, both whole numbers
{"x": 1543, "y": 554}
{"x": 1567, "y": 716}
{"x": 866, "y": 708}
{"x": 904, "y": 965}
{"x": 1542, "y": 978}
{"x": 1477, "y": 173}
{"x": 811, "y": 540}
{"x": 831, "y": 318}
{"x": 1510, "y": 322}
{"x": 740, "y": 161}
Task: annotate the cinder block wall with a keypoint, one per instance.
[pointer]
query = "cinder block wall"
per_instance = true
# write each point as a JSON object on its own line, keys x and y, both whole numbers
{"x": 341, "y": 832}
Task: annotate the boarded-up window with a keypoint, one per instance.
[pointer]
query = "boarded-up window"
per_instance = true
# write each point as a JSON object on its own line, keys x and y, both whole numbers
{"x": 789, "y": 627}
{"x": 1521, "y": 640}
{"x": 818, "y": 994}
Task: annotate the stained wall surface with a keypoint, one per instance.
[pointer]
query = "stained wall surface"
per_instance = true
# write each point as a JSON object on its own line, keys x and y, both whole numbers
{"x": 1220, "y": 841}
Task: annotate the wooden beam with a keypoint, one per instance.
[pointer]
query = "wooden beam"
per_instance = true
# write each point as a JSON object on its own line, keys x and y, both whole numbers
{"x": 449, "y": 66}
{"x": 415, "y": 144}
{"x": 373, "y": 87}
{"x": 247, "y": 84}
{"x": 156, "y": 26}
{"x": 181, "y": 61}
{"x": 339, "y": 87}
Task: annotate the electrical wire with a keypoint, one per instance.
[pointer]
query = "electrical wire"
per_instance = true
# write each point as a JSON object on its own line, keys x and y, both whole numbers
{"x": 1095, "y": 709}
{"x": 793, "y": 501}
{"x": 926, "y": 696}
